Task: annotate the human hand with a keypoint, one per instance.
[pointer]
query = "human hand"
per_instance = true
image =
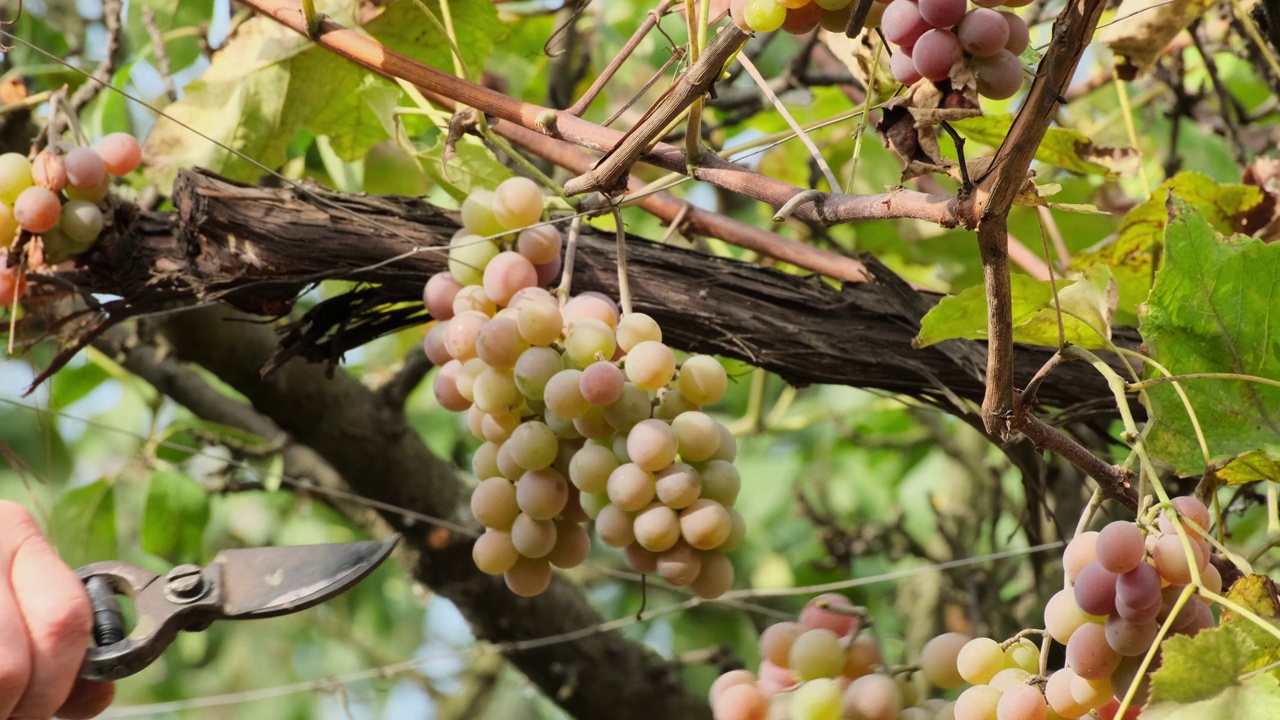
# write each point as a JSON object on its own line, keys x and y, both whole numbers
{"x": 45, "y": 624}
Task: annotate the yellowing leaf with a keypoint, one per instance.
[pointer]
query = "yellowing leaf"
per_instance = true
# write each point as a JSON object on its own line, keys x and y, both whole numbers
{"x": 1142, "y": 29}
{"x": 1257, "y": 698}
{"x": 1061, "y": 147}
{"x": 1256, "y": 593}
{"x": 1251, "y": 466}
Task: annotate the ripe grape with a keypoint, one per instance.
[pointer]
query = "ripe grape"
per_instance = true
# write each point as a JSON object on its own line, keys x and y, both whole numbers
{"x": 652, "y": 445}
{"x": 1120, "y": 547}
{"x": 728, "y": 680}
{"x": 120, "y": 153}
{"x": 1130, "y": 638}
{"x": 938, "y": 659}
{"x": 532, "y": 537}
{"x": 477, "y": 214}
{"x": 438, "y": 295}
{"x": 650, "y": 365}
{"x": 1091, "y": 693}
{"x": 495, "y": 391}
{"x": 484, "y": 462}
{"x": 533, "y": 445}
{"x": 602, "y": 383}
{"x": 37, "y": 209}
{"x": 633, "y": 407}
{"x": 671, "y": 403}
{"x": 563, "y": 394}
{"x": 85, "y": 168}
{"x": 1168, "y": 600}
{"x": 493, "y": 503}
{"x": 614, "y": 526}
{"x": 702, "y": 379}
{"x": 499, "y": 344}
{"x": 705, "y": 524}
{"x": 433, "y": 344}
{"x": 999, "y": 76}
{"x": 506, "y": 274}
{"x": 630, "y": 487}
{"x": 720, "y": 481}
{"x": 463, "y": 329}
{"x": 572, "y": 545}
{"x": 873, "y": 697}
{"x": 468, "y": 256}
{"x": 49, "y": 171}
{"x": 1095, "y": 590}
{"x": 803, "y": 19}
{"x": 1057, "y": 691}
{"x": 776, "y": 642}
{"x": 640, "y": 560}
{"x": 815, "y": 616}
{"x": 816, "y": 654}
{"x": 529, "y": 577}
{"x": 935, "y": 52}
{"x": 445, "y": 387}
{"x": 95, "y": 194}
{"x": 656, "y": 528}
{"x": 540, "y": 323}
{"x": 1082, "y": 550}
{"x": 590, "y": 306}
{"x": 1189, "y": 508}
{"x": 534, "y": 369}
{"x": 861, "y": 656}
{"x": 727, "y": 450}
{"x": 12, "y": 286}
{"x": 983, "y": 32}
{"x": 680, "y": 565}
{"x": 1019, "y": 35}
{"x": 837, "y": 19}
{"x": 941, "y": 13}
{"x": 903, "y": 67}
{"x": 493, "y": 552}
{"x": 1211, "y": 579}
{"x": 678, "y": 486}
{"x": 697, "y": 435}
{"x": 593, "y": 424}
{"x": 1023, "y": 702}
{"x": 715, "y": 578}
{"x": 1138, "y": 588}
{"x": 589, "y": 340}
{"x": 590, "y": 468}
{"x": 636, "y": 328}
{"x": 1171, "y": 559}
{"x": 473, "y": 297}
{"x": 979, "y": 660}
{"x": 1024, "y": 655}
{"x": 902, "y": 24}
{"x": 540, "y": 244}
{"x": 15, "y": 176}
{"x": 764, "y": 15}
{"x": 1089, "y": 655}
{"x": 741, "y": 702}
{"x": 1008, "y": 678}
{"x": 548, "y": 272}
{"x": 517, "y": 202}
{"x": 818, "y": 699}
{"x": 542, "y": 494}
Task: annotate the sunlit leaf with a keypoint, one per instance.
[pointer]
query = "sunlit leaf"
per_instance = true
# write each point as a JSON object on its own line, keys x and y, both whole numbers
{"x": 1257, "y": 698}
{"x": 176, "y": 513}
{"x": 1062, "y": 147}
{"x": 1251, "y": 466}
{"x": 83, "y": 525}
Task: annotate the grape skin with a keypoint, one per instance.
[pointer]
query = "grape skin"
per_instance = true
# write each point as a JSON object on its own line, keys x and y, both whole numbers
{"x": 636, "y": 328}
{"x": 493, "y": 503}
{"x": 506, "y": 274}
{"x": 999, "y": 76}
{"x": 1019, "y": 34}
{"x": 678, "y": 486}
{"x": 776, "y": 642}
{"x": 542, "y": 494}
{"x": 728, "y": 680}
{"x": 572, "y": 547}
{"x": 720, "y": 481}
{"x": 640, "y": 560}
{"x": 602, "y": 383}
{"x": 1089, "y": 655}
{"x": 764, "y": 15}
{"x": 1121, "y": 547}
{"x": 873, "y": 697}
{"x": 120, "y": 152}
{"x": 1023, "y": 702}
{"x": 517, "y": 202}
{"x": 15, "y": 176}
{"x": 818, "y": 699}
{"x": 540, "y": 244}
{"x": 533, "y": 445}
{"x": 445, "y": 387}
{"x": 983, "y": 32}
{"x": 533, "y": 538}
{"x": 629, "y": 410}
{"x": 902, "y": 24}
{"x": 85, "y": 168}
{"x": 814, "y": 615}
{"x": 1057, "y": 691}
{"x": 979, "y": 660}
{"x": 935, "y": 53}
{"x": 1171, "y": 559}
{"x": 650, "y": 365}
{"x": 941, "y": 13}
{"x": 938, "y": 659}
{"x": 705, "y": 524}
{"x": 49, "y": 171}
{"x": 1095, "y": 590}
{"x": 741, "y": 702}
{"x": 438, "y": 295}
{"x": 702, "y": 380}
{"x": 493, "y": 552}
{"x": 697, "y": 436}
{"x": 1189, "y": 508}
{"x": 680, "y": 565}
{"x": 903, "y": 67}
{"x": 590, "y": 306}
{"x": 656, "y": 528}
{"x": 652, "y": 445}
{"x": 37, "y": 209}
{"x": 631, "y": 488}
{"x": 861, "y": 656}
{"x": 529, "y": 577}
{"x": 1082, "y": 550}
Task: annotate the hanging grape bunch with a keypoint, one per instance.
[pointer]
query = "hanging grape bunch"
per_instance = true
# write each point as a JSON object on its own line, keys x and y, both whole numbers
{"x": 584, "y": 413}
{"x": 57, "y": 197}
{"x": 929, "y": 36}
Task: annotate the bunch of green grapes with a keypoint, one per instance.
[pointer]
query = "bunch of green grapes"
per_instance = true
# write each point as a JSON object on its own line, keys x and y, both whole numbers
{"x": 585, "y": 414}
{"x": 821, "y": 668}
{"x": 930, "y": 37}
{"x": 57, "y": 197}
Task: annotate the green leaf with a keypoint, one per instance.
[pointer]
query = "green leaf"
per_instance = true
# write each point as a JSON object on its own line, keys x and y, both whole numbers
{"x": 1257, "y": 698}
{"x": 1252, "y": 466}
{"x": 1131, "y": 254}
{"x": 176, "y": 513}
{"x": 1200, "y": 667}
{"x": 181, "y": 48}
{"x": 83, "y": 524}
{"x": 1068, "y": 149}
{"x": 1212, "y": 310}
{"x": 70, "y": 384}
{"x": 473, "y": 167}
{"x": 1088, "y": 305}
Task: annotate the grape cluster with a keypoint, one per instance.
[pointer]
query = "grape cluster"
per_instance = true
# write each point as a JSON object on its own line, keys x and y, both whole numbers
{"x": 584, "y": 414}
{"x": 930, "y": 36}
{"x": 1124, "y": 585}
{"x": 820, "y": 668}
{"x": 57, "y": 196}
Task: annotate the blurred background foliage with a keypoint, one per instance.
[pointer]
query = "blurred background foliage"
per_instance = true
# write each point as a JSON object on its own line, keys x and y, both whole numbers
{"x": 838, "y": 482}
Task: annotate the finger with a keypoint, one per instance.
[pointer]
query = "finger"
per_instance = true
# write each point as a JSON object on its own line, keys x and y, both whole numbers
{"x": 58, "y": 617}
{"x": 15, "y": 653}
{"x": 88, "y": 699}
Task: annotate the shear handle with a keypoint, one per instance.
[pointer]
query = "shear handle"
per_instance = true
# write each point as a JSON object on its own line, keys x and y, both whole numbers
{"x": 161, "y": 615}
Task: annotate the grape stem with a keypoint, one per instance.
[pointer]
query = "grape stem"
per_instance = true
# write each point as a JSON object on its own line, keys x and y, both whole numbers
{"x": 624, "y": 286}
{"x": 967, "y": 184}
{"x": 1021, "y": 634}
{"x": 571, "y": 249}
{"x": 846, "y": 610}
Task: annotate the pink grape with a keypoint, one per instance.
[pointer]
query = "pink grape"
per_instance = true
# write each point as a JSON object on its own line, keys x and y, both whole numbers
{"x": 593, "y": 423}
{"x": 1091, "y": 693}
{"x": 1089, "y": 655}
{"x": 705, "y": 524}
{"x": 776, "y": 641}
{"x": 680, "y": 565}
{"x": 542, "y": 494}
{"x": 464, "y": 328}
{"x": 657, "y": 528}
{"x": 549, "y": 271}
{"x": 602, "y": 383}
{"x": 999, "y": 76}
{"x": 715, "y": 578}
{"x": 1188, "y": 508}
{"x": 493, "y": 503}
{"x": 49, "y": 171}
{"x": 590, "y": 306}
{"x": 572, "y": 547}
{"x": 1137, "y": 592}
{"x": 873, "y": 696}
{"x": 1019, "y": 34}
{"x": 737, "y": 12}
{"x": 862, "y": 657}
{"x": 507, "y": 274}
{"x": 529, "y": 577}
{"x": 1121, "y": 547}
{"x": 37, "y": 209}
{"x": 445, "y": 387}
{"x": 499, "y": 343}
{"x": 630, "y": 487}
{"x": 120, "y": 153}
{"x": 652, "y": 445}
{"x": 1082, "y": 550}
{"x": 1168, "y": 600}
{"x": 813, "y": 616}
{"x": 540, "y": 244}
{"x": 942, "y": 13}
{"x": 903, "y": 67}
{"x": 614, "y": 526}
{"x": 902, "y": 24}
{"x": 1062, "y": 616}
{"x": 935, "y": 53}
{"x": 803, "y": 19}
{"x": 85, "y": 169}
{"x": 640, "y": 560}
{"x": 533, "y": 538}
{"x": 517, "y": 202}
{"x": 493, "y": 552}
{"x": 983, "y": 32}
{"x": 438, "y": 295}
{"x": 1211, "y": 579}
{"x": 740, "y": 702}
{"x": 1023, "y": 702}
{"x": 650, "y": 365}
{"x": 1130, "y": 638}
{"x": 1095, "y": 590}
{"x": 1057, "y": 691}
{"x": 678, "y": 486}
{"x": 1171, "y": 559}
{"x": 938, "y": 659}
{"x": 730, "y": 679}
{"x": 473, "y": 297}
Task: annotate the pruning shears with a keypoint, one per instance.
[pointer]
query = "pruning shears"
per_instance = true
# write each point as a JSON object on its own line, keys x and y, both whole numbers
{"x": 239, "y": 584}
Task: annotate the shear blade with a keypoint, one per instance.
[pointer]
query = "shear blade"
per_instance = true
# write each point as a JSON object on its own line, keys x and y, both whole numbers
{"x": 266, "y": 582}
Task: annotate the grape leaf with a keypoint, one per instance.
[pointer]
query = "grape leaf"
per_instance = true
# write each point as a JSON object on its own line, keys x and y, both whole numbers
{"x": 1131, "y": 254}
{"x": 1198, "y": 668}
{"x": 1256, "y": 593}
{"x": 1088, "y": 306}
{"x": 1142, "y": 29}
{"x": 472, "y": 167}
{"x": 1257, "y": 698}
{"x": 1251, "y": 466}
{"x": 176, "y": 513}
{"x": 1068, "y": 149}
{"x": 181, "y": 49}
{"x": 1211, "y": 310}
{"x": 83, "y": 525}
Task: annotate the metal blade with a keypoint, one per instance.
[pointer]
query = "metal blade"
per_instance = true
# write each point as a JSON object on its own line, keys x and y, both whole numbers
{"x": 271, "y": 581}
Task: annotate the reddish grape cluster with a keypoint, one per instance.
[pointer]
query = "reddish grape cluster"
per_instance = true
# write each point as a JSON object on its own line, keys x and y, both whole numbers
{"x": 820, "y": 668}
{"x": 931, "y": 36}
{"x": 57, "y": 196}
{"x": 584, "y": 414}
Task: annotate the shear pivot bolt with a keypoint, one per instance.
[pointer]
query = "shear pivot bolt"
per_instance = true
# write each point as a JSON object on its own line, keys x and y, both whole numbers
{"x": 185, "y": 582}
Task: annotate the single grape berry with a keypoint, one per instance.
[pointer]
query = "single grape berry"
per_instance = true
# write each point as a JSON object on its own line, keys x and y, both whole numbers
{"x": 983, "y": 32}
{"x": 37, "y": 209}
{"x": 85, "y": 168}
{"x": 999, "y": 76}
{"x": 120, "y": 153}
{"x": 935, "y": 53}
{"x": 903, "y": 67}
{"x": 49, "y": 171}
{"x": 942, "y": 13}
